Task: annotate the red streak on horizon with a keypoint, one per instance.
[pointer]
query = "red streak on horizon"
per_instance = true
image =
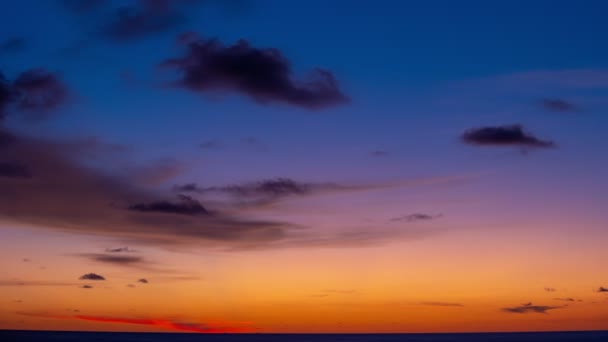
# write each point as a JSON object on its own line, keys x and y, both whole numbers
{"x": 166, "y": 324}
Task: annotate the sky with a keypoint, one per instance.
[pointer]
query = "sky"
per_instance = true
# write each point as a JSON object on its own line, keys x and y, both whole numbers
{"x": 303, "y": 166}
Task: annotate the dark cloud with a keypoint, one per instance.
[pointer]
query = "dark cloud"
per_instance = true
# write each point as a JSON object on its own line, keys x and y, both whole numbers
{"x": 262, "y": 74}
{"x": 142, "y": 280}
{"x": 530, "y": 308}
{"x": 14, "y": 44}
{"x": 185, "y": 206}
{"x": 125, "y": 260}
{"x": 91, "y": 276}
{"x": 558, "y": 105}
{"x": 33, "y": 93}
{"x": 120, "y": 250}
{"x": 549, "y": 289}
{"x": 12, "y": 170}
{"x": 602, "y": 289}
{"x": 416, "y": 217}
{"x": 446, "y": 304}
{"x": 565, "y": 299}
{"x": 512, "y": 135}
{"x": 86, "y": 286}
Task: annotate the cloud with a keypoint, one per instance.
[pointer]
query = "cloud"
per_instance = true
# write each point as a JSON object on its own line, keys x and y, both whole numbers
{"x": 565, "y": 299}
{"x": 14, "y": 44}
{"x": 510, "y": 135}
{"x": 142, "y": 280}
{"x": 86, "y": 287}
{"x": 186, "y": 206}
{"x": 550, "y": 289}
{"x": 446, "y": 304}
{"x": 91, "y": 276}
{"x": 416, "y": 217}
{"x": 123, "y": 260}
{"x": 602, "y": 289}
{"x": 559, "y": 105}
{"x": 265, "y": 75}
{"x": 379, "y": 153}
{"x": 34, "y": 283}
{"x": 530, "y": 308}
{"x": 120, "y": 250}
{"x": 33, "y": 93}
{"x": 229, "y": 327}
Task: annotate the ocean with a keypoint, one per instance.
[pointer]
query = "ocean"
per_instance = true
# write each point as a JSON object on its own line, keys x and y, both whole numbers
{"x": 56, "y": 336}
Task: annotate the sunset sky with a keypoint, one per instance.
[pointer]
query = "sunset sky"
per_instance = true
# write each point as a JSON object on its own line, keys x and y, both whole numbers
{"x": 303, "y": 166}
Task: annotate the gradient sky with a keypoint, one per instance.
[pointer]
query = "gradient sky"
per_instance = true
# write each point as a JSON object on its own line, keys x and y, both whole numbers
{"x": 303, "y": 166}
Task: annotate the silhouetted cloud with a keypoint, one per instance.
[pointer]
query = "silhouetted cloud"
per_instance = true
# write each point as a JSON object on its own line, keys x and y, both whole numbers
{"x": 511, "y": 135}
{"x": 416, "y": 217}
{"x": 86, "y": 286}
{"x": 91, "y": 276}
{"x": 186, "y": 206}
{"x": 446, "y": 304}
{"x": 32, "y": 93}
{"x": 120, "y": 250}
{"x": 530, "y": 308}
{"x": 14, "y": 44}
{"x": 142, "y": 280}
{"x": 565, "y": 299}
{"x": 549, "y": 289}
{"x": 125, "y": 260}
{"x": 263, "y": 74}
{"x": 12, "y": 170}
{"x": 559, "y": 105}
{"x": 602, "y": 289}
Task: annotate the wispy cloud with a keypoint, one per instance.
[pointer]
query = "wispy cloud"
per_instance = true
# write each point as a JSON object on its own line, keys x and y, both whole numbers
{"x": 445, "y": 304}
{"x": 531, "y": 308}
{"x": 559, "y": 105}
{"x": 416, "y": 217}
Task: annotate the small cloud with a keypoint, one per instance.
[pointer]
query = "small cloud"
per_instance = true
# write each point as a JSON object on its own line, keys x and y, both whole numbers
{"x": 446, "y": 304}
{"x": 130, "y": 285}
{"x": 565, "y": 299}
{"x": 14, "y": 44}
{"x": 142, "y": 280}
{"x": 86, "y": 287}
{"x": 126, "y": 260}
{"x": 416, "y": 217}
{"x": 550, "y": 289}
{"x": 26, "y": 260}
{"x": 120, "y": 250}
{"x": 186, "y": 206}
{"x": 91, "y": 276}
{"x": 602, "y": 289}
{"x": 511, "y": 135}
{"x": 530, "y": 308}
{"x": 559, "y": 105}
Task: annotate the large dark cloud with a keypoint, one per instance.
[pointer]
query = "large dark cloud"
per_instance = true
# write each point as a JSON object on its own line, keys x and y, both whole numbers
{"x": 531, "y": 308}
{"x": 510, "y": 135}
{"x": 32, "y": 93}
{"x": 92, "y": 276}
{"x": 263, "y": 74}
{"x": 559, "y": 105}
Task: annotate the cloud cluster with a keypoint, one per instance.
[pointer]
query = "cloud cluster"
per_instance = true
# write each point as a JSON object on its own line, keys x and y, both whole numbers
{"x": 32, "y": 93}
{"x": 265, "y": 75}
{"x": 510, "y": 135}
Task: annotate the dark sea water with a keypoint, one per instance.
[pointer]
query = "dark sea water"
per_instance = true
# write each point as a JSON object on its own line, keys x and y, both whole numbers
{"x": 50, "y": 336}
